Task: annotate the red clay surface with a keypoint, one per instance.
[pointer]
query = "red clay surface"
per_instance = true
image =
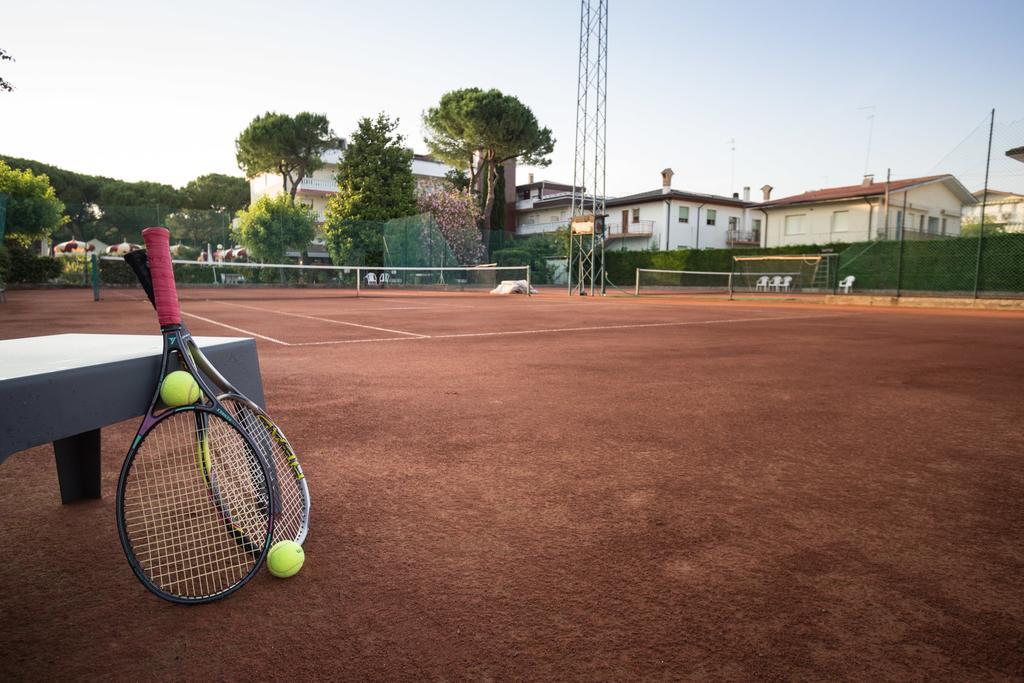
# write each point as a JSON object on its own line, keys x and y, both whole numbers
{"x": 545, "y": 488}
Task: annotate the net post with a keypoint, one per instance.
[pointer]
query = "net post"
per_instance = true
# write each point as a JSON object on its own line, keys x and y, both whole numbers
{"x": 636, "y": 288}
{"x": 359, "y": 280}
{"x": 94, "y": 262}
{"x": 732, "y": 271}
{"x": 528, "y": 285}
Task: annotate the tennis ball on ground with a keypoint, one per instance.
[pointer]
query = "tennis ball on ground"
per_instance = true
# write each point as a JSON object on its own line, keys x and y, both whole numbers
{"x": 179, "y": 389}
{"x": 285, "y": 559}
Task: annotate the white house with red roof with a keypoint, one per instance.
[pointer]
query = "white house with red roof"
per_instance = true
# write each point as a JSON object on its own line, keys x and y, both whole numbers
{"x": 921, "y": 208}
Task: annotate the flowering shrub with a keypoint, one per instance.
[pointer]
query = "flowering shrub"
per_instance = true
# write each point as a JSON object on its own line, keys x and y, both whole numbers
{"x": 457, "y": 215}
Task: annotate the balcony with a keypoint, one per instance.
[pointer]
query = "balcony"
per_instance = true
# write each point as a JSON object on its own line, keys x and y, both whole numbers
{"x": 634, "y": 229}
{"x": 537, "y": 228}
{"x": 318, "y": 186}
{"x": 743, "y": 237}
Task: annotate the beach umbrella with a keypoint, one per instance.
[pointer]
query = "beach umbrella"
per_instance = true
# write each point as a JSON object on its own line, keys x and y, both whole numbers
{"x": 122, "y": 248}
{"x": 72, "y": 248}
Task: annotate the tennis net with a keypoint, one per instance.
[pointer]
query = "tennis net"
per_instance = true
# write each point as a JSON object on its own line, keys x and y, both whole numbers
{"x": 339, "y": 280}
{"x": 654, "y": 282}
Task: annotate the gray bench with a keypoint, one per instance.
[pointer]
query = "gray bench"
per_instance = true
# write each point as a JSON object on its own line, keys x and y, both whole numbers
{"x": 65, "y": 388}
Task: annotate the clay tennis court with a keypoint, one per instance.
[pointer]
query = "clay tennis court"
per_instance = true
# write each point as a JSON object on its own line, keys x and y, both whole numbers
{"x": 554, "y": 488}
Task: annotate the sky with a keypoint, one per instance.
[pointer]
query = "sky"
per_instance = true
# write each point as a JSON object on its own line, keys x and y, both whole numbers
{"x": 160, "y": 90}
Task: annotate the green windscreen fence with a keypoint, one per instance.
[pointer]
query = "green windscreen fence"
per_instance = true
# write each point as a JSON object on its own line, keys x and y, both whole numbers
{"x": 991, "y": 266}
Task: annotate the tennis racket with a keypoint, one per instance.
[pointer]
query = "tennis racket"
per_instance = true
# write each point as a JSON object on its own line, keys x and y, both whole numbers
{"x": 195, "y": 499}
{"x": 292, "y": 521}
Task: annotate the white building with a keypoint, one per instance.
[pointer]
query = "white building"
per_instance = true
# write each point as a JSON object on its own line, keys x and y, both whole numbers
{"x": 922, "y": 207}
{"x": 660, "y": 219}
{"x": 315, "y": 189}
{"x": 1005, "y": 209}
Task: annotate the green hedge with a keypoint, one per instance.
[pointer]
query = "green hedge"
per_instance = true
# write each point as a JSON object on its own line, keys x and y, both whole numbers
{"x": 26, "y": 267}
{"x": 946, "y": 265}
{"x": 941, "y": 265}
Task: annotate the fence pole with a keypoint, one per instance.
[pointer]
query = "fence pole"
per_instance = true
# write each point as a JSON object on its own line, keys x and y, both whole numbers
{"x": 732, "y": 272}
{"x": 359, "y": 281}
{"x": 901, "y": 225}
{"x": 95, "y": 277}
{"x": 636, "y": 289}
{"x": 984, "y": 202}
{"x": 528, "y": 285}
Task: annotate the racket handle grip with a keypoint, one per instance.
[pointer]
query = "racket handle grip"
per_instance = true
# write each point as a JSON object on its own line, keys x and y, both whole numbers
{"x": 158, "y": 247}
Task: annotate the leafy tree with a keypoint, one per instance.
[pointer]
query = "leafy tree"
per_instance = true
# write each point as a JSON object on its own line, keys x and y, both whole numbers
{"x": 458, "y": 179}
{"x": 273, "y": 225}
{"x": 457, "y": 215}
{"x": 5, "y": 57}
{"x": 480, "y": 130}
{"x": 199, "y": 227}
{"x": 375, "y": 184}
{"x": 973, "y": 228}
{"x": 288, "y": 145}
{"x": 33, "y": 210}
{"x": 216, "y": 191}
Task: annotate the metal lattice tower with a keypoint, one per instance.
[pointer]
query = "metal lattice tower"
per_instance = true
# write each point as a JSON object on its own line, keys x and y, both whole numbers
{"x": 586, "y": 251}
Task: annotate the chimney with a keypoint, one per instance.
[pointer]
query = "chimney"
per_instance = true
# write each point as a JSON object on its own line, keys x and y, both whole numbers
{"x": 767, "y": 192}
{"x": 529, "y": 177}
{"x": 869, "y": 179}
{"x": 666, "y": 180}
{"x": 735, "y": 195}
{"x": 746, "y": 193}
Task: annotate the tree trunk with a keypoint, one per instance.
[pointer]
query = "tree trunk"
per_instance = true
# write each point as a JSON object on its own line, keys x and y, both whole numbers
{"x": 492, "y": 178}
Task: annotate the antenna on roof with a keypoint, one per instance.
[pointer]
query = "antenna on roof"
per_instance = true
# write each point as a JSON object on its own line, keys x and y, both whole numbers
{"x": 732, "y": 169}
{"x": 871, "y": 131}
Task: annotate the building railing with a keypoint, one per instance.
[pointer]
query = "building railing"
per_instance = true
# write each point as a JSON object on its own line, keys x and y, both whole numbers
{"x": 547, "y": 226}
{"x": 318, "y": 184}
{"x": 743, "y": 237}
{"x": 634, "y": 229}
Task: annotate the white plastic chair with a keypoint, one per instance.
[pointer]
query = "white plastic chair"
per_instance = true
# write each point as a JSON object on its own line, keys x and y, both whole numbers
{"x": 846, "y": 284}
{"x": 775, "y": 284}
{"x": 786, "y": 283}
{"x": 384, "y": 279}
{"x": 394, "y": 278}
{"x": 371, "y": 279}
{"x": 762, "y": 284}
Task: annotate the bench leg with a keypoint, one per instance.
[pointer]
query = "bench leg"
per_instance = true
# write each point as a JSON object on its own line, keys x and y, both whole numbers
{"x": 78, "y": 466}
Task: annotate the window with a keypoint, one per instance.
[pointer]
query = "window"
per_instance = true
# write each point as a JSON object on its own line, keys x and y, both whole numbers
{"x": 684, "y": 214}
{"x": 933, "y": 224}
{"x": 734, "y": 223}
{"x": 756, "y": 223}
{"x": 943, "y": 226}
{"x": 794, "y": 225}
{"x": 712, "y": 215}
{"x": 636, "y": 215}
{"x": 840, "y": 221}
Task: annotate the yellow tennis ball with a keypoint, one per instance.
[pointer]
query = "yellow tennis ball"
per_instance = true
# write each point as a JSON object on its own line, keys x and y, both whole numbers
{"x": 285, "y": 559}
{"x": 179, "y": 388}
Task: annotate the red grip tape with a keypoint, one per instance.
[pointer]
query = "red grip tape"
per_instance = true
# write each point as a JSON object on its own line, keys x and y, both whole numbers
{"x": 158, "y": 248}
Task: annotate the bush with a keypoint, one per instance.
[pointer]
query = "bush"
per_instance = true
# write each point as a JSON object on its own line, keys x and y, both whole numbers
{"x": 26, "y": 267}
{"x": 5, "y": 264}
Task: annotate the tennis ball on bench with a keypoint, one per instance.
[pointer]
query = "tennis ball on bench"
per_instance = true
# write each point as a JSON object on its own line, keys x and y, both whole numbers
{"x": 285, "y": 559}
{"x": 179, "y": 389}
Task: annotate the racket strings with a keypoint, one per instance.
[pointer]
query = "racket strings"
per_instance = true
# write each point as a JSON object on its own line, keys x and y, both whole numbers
{"x": 291, "y": 518}
{"x": 195, "y": 506}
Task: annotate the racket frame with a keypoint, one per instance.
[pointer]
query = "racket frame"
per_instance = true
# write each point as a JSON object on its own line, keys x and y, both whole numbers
{"x": 176, "y": 341}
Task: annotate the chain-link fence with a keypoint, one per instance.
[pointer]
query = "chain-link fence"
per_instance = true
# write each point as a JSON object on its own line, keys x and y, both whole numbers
{"x": 991, "y": 266}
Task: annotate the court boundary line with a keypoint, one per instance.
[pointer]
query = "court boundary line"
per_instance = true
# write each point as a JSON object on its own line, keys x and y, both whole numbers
{"x": 326, "y": 320}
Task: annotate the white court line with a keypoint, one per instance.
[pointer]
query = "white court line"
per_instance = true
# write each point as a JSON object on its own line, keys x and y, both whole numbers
{"x": 630, "y": 326}
{"x": 503, "y": 333}
{"x": 236, "y": 329}
{"x": 326, "y": 320}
